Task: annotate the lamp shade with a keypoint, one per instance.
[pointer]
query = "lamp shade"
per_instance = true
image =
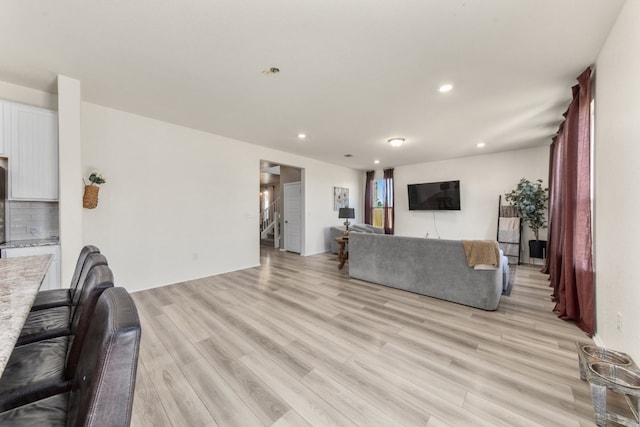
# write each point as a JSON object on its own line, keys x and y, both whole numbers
{"x": 347, "y": 213}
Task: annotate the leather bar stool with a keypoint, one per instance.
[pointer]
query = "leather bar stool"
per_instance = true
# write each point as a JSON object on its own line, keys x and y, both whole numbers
{"x": 102, "y": 388}
{"x": 57, "y": 321}
{"x": 43, "y": 368}
{"x": 60, "y": 297}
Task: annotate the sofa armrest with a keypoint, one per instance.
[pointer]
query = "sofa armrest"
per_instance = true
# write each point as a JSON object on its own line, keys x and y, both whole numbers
{"x": 333, "y": 233}
{"x": 359, "y": 227}
{"x": 366, "y": 228}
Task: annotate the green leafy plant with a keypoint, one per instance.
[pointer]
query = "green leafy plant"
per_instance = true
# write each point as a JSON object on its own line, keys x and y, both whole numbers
{"x": 96, "y": 178}
{"x": 530, "y": 203}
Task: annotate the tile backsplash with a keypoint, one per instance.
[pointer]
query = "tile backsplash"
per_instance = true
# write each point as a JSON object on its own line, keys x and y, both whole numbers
{"x": 32, "y": 220}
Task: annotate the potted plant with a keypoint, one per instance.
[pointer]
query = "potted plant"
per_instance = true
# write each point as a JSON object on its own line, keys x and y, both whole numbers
{"x": 90, "y": 198}
{"x": 529, "y": 200}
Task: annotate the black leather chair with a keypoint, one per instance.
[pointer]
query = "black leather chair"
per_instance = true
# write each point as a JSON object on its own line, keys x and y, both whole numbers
{"x": 61, "y": 297}
{"x": 58, "y": 321}
{"x": 102, "y": 388}
{"x": 43, "y": 368}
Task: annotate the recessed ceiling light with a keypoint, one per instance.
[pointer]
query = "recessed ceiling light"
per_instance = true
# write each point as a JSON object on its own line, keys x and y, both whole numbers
{"x": 396, "y": 142}
{"x": 480, "y": 144}
{"x": 348, "y": 155}
{"x": 376, "y": 162}
{"x": 302, "y": 135}
{"x": 445, "y": 88}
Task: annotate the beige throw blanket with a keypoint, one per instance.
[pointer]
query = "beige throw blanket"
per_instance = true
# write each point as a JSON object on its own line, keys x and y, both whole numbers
{"x": 508, "y": 230}
{"x": 481, "y": 252}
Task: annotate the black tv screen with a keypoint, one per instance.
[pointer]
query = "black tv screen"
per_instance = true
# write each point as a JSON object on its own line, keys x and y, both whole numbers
{"x": 434, "y": 196}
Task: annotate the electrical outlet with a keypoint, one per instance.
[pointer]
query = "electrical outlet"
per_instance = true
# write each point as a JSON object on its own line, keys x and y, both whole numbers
{"x": 619, "y": 322}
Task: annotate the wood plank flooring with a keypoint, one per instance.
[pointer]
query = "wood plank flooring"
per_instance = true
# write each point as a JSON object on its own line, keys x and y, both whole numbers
{"x": 295, "y": 342}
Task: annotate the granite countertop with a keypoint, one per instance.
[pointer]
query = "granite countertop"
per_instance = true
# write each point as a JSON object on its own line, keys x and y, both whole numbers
{"x": 30, "y": 243}
{"x": 20, "y": 279}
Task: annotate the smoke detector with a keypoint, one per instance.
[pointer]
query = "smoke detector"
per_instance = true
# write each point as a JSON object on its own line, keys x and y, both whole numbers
{"x": 271, "y": 71}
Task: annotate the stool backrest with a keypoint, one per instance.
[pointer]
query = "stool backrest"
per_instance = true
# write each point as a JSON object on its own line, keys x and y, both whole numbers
{"x": 84, "y": 253}
{"x": 103, "y": 385}
{"x": 99, "y": 278}
{"x": 93, "y": 260}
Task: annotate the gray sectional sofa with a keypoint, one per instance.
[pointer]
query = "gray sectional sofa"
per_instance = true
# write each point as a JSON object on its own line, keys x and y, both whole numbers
{"x": 436, "y": 268}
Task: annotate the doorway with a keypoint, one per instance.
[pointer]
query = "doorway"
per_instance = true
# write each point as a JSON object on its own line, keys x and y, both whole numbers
{"x": 287, "y": 209}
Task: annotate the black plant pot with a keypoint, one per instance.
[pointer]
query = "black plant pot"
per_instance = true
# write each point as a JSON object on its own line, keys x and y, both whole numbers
{"x": 537, "y": 248}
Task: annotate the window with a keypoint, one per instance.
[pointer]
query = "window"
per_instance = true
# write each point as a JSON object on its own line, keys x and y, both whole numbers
{"x": 378, "y": 200}
{"x": 377, "y": 214}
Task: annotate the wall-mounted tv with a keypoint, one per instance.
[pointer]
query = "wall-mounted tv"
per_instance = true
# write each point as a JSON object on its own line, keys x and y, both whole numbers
{"x": 434, "y": 196}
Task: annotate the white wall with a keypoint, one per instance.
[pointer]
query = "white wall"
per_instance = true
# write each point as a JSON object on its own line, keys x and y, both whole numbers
{"x": 617, "y": 174}
{"x": 181, "y": 204}
{"x": 482, "y": 179}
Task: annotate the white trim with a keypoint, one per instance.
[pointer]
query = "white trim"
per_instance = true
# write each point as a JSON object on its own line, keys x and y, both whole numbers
{"x": 598, "y": 341}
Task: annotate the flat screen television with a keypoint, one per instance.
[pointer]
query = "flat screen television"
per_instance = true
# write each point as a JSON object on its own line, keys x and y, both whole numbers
{"x": 434, "y": 196}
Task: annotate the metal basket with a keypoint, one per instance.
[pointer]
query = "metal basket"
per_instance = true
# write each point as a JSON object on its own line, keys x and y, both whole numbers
{"x": 616, "y": 374}
{"x": 602, "y": 354}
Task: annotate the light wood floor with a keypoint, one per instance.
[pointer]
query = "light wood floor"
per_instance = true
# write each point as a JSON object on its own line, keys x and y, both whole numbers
{"x": 295, "y": 342}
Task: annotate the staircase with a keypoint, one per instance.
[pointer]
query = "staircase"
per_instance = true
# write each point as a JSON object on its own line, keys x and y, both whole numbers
{"x": 270, "y": 224}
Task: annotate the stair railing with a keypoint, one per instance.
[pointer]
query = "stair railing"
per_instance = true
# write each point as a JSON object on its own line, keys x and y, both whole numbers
{"x": 269, "y": 222}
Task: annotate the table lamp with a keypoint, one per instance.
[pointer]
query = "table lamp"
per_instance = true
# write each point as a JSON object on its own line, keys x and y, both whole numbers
{"x": 347, "y": 213}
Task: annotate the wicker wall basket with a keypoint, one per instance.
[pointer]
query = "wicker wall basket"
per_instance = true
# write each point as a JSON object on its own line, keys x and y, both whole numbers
{"x": 90, "y": 198}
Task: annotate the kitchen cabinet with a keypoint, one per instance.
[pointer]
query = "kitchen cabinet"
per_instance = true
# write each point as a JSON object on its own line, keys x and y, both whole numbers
{"x": 52, "y": 278}
{"x": 5, "y": 128}
{"x": 33, "y": 152}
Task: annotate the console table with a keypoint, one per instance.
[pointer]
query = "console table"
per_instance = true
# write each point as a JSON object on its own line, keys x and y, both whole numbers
{"x": 20, "y": 279}
{"x": 343, "y": 253}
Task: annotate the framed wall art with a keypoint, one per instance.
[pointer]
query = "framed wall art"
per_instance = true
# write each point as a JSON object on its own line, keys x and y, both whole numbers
{"x": 340, "y": 198}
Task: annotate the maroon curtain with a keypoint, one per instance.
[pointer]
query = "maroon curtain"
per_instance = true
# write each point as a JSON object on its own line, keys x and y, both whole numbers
{"x": 570, "y": 264}
{"x": 550, "y": 180}
{"x": 388, "y": 201}
{"x": 554, "y": 242}
{"x": 368, "y": 198}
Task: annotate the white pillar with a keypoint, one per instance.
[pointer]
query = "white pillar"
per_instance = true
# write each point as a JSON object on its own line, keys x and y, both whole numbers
{"x": 70, "y": 162}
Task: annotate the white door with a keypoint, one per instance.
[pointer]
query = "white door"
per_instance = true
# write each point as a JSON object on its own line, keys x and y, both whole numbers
{"x": 293, "y": 217}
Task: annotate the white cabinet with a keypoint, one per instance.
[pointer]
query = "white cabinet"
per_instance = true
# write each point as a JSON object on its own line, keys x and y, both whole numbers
{"x": 5, "y": 128}
{"x": 32, "y": 152}
{"x": 52, "y": 278}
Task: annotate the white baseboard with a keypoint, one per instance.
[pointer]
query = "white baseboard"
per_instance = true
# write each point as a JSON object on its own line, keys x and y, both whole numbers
{"x": 598, "y": 341}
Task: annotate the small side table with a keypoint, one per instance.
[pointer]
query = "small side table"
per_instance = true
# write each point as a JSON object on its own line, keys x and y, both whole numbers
{"x": 343, "y": 253}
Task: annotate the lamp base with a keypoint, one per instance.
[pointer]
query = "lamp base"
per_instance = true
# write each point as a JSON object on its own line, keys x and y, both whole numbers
{"x": 346, "y": 228}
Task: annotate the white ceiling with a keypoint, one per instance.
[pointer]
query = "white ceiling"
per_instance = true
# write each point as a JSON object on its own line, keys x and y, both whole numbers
{"x": 353, "y": 73}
